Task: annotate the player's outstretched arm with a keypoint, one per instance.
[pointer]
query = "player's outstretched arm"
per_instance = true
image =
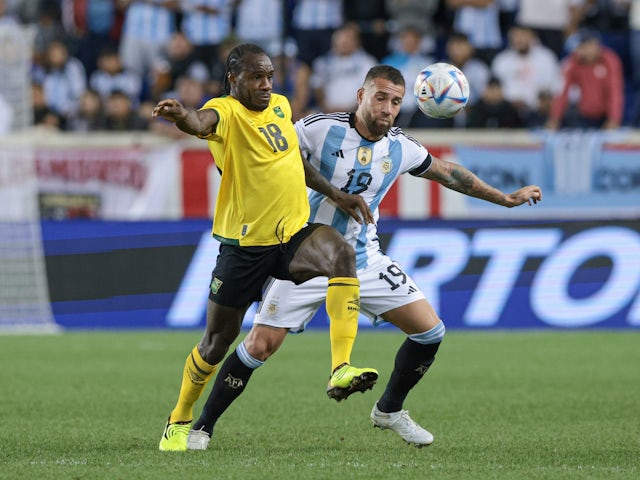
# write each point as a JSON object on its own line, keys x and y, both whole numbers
{"x": 456, "y": 177}
{"x": 352, "y": 204}
{"x": 201, "y": 123}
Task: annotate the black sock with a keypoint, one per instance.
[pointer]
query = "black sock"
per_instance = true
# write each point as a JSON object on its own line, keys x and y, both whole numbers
{"x": 412, "y": 362}
{"x": 230, "y": 382}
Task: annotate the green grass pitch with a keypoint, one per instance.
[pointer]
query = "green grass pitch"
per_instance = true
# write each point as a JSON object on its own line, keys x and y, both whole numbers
{"x": 501, "y": 405}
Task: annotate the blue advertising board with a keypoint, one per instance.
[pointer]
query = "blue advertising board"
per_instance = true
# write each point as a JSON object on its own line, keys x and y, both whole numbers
{"x": 477, "y": 274}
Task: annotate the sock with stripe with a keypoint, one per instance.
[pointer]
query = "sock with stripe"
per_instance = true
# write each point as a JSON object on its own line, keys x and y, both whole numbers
{"x": 231, "y": 381}
{"x": 343, "y": 308}
{"x": 413, "y": 359}
{"x": 195, "y": 376}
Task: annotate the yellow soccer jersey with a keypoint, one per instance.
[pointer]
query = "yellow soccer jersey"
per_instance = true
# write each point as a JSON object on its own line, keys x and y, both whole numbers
{"x": 262, "y": 199}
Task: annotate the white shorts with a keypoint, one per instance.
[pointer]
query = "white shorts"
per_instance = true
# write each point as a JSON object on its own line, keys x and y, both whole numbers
{"x": 383, "y": 287}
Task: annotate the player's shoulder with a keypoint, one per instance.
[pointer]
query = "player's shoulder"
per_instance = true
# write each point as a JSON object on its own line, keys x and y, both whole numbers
{"x": 397, "y": 134}
{"x": 224, "y": 102}
{"x": 327, "y": 119}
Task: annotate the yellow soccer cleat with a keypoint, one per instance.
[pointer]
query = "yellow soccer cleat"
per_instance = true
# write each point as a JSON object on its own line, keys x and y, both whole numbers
{"x": 174, "y": 438}
{"x": 346, "y": 380}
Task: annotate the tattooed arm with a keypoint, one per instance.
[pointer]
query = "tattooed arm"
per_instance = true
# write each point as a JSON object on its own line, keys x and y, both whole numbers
{"x": 460, "y": 179}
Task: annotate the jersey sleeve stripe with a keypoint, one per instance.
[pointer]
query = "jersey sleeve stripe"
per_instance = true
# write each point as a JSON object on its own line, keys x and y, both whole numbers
{"x": 422, "y": 168}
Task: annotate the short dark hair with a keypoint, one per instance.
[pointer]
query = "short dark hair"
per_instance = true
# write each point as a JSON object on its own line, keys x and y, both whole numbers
{"x": 387, "y": 72}
{"x": 234, "y": 63}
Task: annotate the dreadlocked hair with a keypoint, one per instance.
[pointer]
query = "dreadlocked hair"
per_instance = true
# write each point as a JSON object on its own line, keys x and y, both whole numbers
{"x": 235, "y": 60}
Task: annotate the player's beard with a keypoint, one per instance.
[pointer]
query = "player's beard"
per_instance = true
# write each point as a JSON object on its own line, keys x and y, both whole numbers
{"x": 377, "y": 127}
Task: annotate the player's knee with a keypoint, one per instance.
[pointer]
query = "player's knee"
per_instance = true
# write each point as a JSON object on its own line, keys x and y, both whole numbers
{"x": 263, "y": 342}
{"x": 213, "y": 349}
{"x": 431, "y": 336}
{"x": 342, "y": 261}
{"x": 258, "y": 348}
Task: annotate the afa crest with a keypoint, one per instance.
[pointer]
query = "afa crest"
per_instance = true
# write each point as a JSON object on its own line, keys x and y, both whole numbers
{"x": 272, "y": 308}
{"x": 386, "y": 165}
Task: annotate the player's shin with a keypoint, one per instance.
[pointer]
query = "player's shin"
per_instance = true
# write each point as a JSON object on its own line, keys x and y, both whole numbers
{"x": 195, "y": 377}
{"x": 343, "y": 308}
{"x": 231, "y": 381}
{"x": 413, "y": 359}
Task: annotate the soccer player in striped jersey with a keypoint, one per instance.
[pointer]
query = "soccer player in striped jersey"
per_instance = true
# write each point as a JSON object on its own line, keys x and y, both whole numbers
{"x": 261, "y": 221}
{"x": 359, "y": 153}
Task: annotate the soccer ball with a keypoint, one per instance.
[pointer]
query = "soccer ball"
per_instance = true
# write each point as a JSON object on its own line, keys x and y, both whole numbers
{"x": 441, "y": 90}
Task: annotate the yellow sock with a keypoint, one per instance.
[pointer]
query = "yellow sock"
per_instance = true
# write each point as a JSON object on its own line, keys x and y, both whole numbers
{"x": 196, "y": 374}
{"x": 343, "y": 308}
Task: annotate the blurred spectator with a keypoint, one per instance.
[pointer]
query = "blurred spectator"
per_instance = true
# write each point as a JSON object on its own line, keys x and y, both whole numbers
{"x": 418, "y": 14}
{"x": 191, "y": 94}
{"x": 261, "y": 22}
{"x": 63, "y": 78}
{"x": 206, "y": 23}
{"x": 461, "y": 53}
{"x": 48, "y": 29}
{"x": 593, "y": 73}
{"x": 90, "y": 115}
{"x": 508, "y": 12}
{"x": 25, "y": 11}
{"x": 339, "y": 73}
{"x": 90, "y": 23}
{"x": 147, "y": 29}
{"x": 111, "y": 76}
{"x": 551, "y": 20}
{"x": 480, "y": 20}
{"x": 6, "y": 116}
{"x": 634, "y": 48}
{"x": 539, "y": 116}
{"x": 43, "y": 115}
{"x": 410, "y": 61}
{"x": 312, "y": 23}
{"x": 493, "y": 110}
{"x": 6, "y": 17}
{"x": 121, "y": 116}
{"x": 371, "y": 17}
{"x": 178, "y": 59}
{"x": 525, "y": 68}
{"x": 215, "y": 86}
{"x": 286, "y": 68}
{"x": 611, "y": 19}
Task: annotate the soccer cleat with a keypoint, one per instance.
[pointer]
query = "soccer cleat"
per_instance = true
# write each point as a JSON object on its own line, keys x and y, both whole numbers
{"x": 346, "y": 380}
{"x": 174, "y": 438}
{"x": 198, "y": 440}
{"x": 401, "y": 423}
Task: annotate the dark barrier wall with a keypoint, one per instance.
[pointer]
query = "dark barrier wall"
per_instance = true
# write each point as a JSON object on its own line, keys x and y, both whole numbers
{"x": 478, "y": 275}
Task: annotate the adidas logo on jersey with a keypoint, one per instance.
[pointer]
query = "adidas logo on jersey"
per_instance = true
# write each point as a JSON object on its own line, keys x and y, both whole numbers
{"x": 338, "y": 154}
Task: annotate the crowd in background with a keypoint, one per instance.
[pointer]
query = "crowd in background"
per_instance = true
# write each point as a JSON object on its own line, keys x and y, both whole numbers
{"x": 103, "y": 64}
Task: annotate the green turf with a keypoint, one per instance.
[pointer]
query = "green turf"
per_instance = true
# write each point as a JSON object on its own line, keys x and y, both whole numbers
{"x": 500, "y": 405}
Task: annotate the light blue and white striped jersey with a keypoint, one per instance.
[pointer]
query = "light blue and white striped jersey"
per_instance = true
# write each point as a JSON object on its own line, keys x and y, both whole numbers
{"x": 481, "y": 24}
{"x": 205, "y": 28}
{"x": 333, "y": 146}
{"x": 152, "y": 22}
{"x": 317, "y": 14}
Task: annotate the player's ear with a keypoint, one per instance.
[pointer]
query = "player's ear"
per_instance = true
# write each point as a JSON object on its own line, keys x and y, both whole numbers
{"x": 360, "y": 95}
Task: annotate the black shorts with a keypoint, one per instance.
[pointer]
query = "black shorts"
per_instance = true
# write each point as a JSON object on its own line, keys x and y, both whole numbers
{"x": 240, "y": 272}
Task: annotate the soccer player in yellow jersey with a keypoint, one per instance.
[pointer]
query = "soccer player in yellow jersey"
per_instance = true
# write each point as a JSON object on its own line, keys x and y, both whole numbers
{"x": 261, "y": 221}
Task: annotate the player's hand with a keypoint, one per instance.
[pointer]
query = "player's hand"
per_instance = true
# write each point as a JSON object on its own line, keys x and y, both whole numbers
{"x": 170, "y": 109}
{"x": 531, "y": 194}
{"x": 355, "y": 206}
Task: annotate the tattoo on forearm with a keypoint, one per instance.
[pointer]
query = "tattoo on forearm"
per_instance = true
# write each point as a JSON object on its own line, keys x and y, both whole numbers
{"x": 463, "y": 179}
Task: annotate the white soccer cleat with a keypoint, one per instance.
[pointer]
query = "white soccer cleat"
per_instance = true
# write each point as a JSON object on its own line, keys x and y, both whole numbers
{"x": 401, "y": 423}
{"x": 198, "y": 440}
